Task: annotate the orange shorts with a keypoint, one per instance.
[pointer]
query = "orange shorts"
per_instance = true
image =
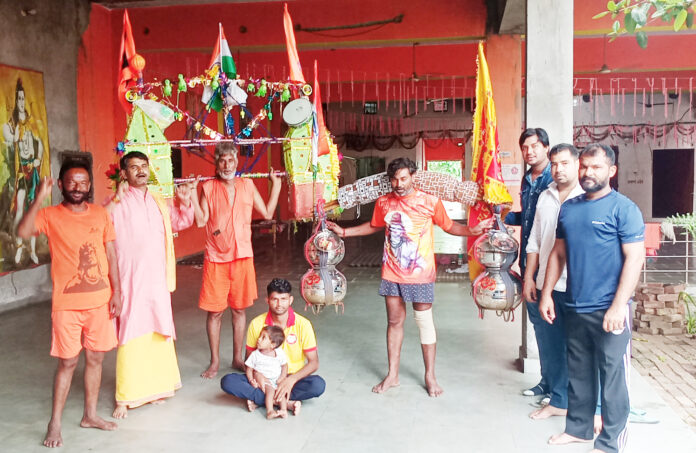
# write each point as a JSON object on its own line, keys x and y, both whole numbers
{"x": 230, "y": 284}
{"x": 74, "y": 329}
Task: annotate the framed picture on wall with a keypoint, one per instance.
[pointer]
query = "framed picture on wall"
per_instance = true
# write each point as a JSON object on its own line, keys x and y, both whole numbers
{"x": 24, "y": 160}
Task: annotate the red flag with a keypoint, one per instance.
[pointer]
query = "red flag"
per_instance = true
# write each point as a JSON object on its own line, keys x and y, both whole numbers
{"x": 486, "y": 168}
{"x": 323, "y": 144}
{"x": 293, "y": 59}
{"x": 129, "y": 67}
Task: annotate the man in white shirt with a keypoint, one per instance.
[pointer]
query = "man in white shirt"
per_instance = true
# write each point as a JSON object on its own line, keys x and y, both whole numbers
{"x": 551, "y": 337}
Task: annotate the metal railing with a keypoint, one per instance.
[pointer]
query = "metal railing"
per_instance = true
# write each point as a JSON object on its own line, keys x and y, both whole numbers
{"x": 673, "y": 260}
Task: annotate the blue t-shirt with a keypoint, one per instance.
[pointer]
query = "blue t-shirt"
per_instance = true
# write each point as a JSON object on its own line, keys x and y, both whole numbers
{"x": 594, "y": 231}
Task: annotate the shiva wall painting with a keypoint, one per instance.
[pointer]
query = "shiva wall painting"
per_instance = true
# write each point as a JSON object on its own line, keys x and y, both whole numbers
{"x": 24, "y": 160}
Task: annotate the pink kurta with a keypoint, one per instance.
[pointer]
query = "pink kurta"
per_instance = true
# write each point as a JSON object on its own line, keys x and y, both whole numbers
{"x": 140, "y": 245}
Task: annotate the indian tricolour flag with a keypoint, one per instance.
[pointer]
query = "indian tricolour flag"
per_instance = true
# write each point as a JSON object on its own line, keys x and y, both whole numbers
{"x": 222, "y": 57}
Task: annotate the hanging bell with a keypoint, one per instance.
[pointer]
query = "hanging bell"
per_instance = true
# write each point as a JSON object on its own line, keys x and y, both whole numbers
{"x": 323, "y": 285}
{"x": 497, "y": 288}
{"x": 324, "y": 244}
{"x": 321, "y": 290}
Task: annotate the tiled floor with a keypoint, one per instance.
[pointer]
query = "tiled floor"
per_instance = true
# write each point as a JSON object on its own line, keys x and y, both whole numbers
{"x": 480, "y": 411}
{"x": 669, "y": 365}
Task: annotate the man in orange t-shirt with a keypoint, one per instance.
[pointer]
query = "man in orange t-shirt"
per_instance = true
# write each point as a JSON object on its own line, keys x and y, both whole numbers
{"x": 86, "y": 291}
{"x": 408, "y": 265}
{"x": 229, "y": 279}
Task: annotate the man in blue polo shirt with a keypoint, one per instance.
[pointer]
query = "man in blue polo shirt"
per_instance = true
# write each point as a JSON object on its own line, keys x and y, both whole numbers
{"x": 600, "y": 238}
{"x": 534, "y": 143}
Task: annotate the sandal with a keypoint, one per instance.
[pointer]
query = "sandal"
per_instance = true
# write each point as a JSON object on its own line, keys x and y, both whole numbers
{"x": 534, "y": 391}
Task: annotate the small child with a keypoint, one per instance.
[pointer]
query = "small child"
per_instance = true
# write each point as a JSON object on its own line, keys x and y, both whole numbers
{"x": 266, "y": 366}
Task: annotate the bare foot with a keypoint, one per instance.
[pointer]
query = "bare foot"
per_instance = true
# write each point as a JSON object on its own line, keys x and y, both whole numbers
{"x": 431, "y": 385}
{"x": 295, "y": 407}
{"x": 283, "y": 413}
{"x": 546, "y": 412}
{"x": 387, "y": 383}
{"x": 597, "y": 424}
{"x": 238, "y": 365}
{"x": 564, "y": 439}
{"x": 121, "y": 411}
{"x": 53, "y": 438}
{"x": 251, "y": 405}
{"x": 98, "y": 422}
{"x": 272, "y": 414}
{"x": 211, "y": 372}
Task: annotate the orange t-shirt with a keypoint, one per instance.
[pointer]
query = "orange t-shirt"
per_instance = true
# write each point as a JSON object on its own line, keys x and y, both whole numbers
{"x": 228, "y": 231}
{"x": 79, "y": 268}
{"x": 408, "y": 244}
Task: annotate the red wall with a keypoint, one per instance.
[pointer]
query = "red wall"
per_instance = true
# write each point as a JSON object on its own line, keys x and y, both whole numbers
{"x": 177, "y": 40}
{"x": 180, "y": 39}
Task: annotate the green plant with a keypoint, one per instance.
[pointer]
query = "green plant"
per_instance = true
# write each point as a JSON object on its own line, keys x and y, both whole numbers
{"x": 636, "y": 15}
{"x": 689, "y": 303}
{"x": 688, "y": 221}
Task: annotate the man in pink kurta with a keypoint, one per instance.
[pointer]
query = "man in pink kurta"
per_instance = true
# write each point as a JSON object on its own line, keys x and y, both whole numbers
{"x": 144, "y": 224}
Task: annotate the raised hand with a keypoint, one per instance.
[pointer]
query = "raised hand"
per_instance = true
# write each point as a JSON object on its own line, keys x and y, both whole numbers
{"x": 122, "y": 189}
{"x": 275, "y": 179}
{"x": 183, "y": 193}
{"x": 44, "y": 188}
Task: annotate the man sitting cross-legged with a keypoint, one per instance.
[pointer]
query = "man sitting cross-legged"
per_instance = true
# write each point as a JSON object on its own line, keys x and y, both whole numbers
{"x": 300, "y": 346}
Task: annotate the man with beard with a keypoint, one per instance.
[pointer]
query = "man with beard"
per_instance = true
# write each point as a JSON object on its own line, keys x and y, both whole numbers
{"x": 409, "y": 213}
{"x": 600, "y": 239}
{"x": 80, "y": 235}
{"x": 146, "y": 367}
{"x": 229, "y": 278}
{"x": 551, "y": 337}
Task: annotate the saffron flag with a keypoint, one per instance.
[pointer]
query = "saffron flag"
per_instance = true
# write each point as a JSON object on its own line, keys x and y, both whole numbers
{"x": 222, "y": 61}
{"x": 127, "y": 74}
{"x": 486, "y": 168}
{"x": 322, "y": 142}
{"x": 293, "y": 59}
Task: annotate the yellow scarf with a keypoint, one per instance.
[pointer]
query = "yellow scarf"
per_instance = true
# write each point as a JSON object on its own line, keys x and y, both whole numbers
{"x": 169, "y": 242}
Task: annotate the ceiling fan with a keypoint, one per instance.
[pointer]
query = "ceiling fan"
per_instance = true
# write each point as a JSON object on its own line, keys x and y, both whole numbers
{"x": 415, "y": 76}
{"x": 605, "y": 68}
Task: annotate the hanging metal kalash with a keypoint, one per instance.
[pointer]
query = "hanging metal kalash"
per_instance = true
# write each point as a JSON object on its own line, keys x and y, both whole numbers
{"x": 498, "y": 288}
{"x": 323, "y": 284}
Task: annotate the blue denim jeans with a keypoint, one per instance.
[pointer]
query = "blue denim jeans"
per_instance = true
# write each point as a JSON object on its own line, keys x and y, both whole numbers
{"x": 237, "y": 384}
{"x": 551, "y": 341}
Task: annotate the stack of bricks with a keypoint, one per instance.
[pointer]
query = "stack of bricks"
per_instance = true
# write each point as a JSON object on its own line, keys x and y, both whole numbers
{"x": 658, "y": 310}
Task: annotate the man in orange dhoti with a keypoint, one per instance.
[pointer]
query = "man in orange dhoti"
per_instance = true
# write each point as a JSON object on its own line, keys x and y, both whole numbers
{"x": 229, "y": 278}
{"x": 146, "y": 365}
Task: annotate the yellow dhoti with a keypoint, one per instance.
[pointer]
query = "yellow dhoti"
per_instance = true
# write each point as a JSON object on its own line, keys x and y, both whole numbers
{"x": 146, "y": 370}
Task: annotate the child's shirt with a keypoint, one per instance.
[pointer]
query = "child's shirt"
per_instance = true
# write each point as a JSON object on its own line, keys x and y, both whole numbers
{"x": 269, "y": 366}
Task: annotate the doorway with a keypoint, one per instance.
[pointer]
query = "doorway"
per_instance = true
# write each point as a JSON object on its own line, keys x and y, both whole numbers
{"x": 673, "y": 182}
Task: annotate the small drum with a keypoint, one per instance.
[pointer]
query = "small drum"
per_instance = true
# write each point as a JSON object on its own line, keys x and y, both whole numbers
{"x": 297, "y": 112}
